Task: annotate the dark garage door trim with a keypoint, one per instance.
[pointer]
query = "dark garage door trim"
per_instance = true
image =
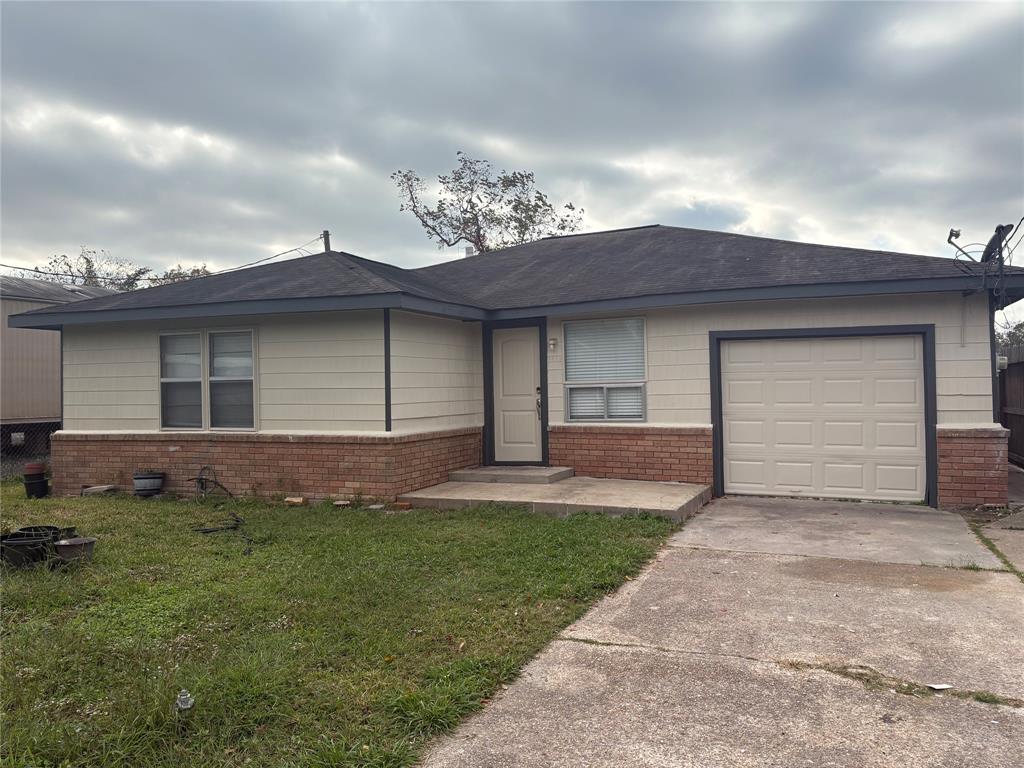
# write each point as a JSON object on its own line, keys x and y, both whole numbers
{"x": 927, "y": 334}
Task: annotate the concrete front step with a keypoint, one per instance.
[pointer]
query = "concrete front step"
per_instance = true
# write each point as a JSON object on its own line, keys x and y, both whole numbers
{"x": 677, "y": 501}
{"x": 542, "y": 475}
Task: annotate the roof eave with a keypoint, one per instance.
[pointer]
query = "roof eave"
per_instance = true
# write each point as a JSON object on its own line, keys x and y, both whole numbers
{"x": 1014, "y": 285}
{"x": 54, "y": 320}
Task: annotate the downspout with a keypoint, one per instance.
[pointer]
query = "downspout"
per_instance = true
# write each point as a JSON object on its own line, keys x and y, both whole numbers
{"x": 996, "y": 406}
{"x": 387, "y": 370}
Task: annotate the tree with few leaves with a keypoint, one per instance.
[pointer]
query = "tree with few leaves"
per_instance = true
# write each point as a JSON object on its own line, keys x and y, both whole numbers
{"x": 178, "y": 274}
{"x": 1011, "y": 336}
{"x": 484, "y": 209}
{"x": 99, "y": 268}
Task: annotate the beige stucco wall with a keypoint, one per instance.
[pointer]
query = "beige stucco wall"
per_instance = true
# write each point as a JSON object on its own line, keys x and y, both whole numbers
{"x": 29, "y": 368}
{"x": 436, "y": 373}
{"x": 678, "y": 367}
{"x": 321, "y": 372}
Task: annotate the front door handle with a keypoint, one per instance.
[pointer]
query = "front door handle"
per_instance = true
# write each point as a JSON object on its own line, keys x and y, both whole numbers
{"x": 538, "y": 402}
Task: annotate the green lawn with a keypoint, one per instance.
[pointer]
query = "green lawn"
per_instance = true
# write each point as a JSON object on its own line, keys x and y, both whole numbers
{"x": 341, "y": 637}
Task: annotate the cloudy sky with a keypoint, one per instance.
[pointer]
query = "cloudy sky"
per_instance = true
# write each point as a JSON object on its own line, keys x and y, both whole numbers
{"x": 221, "y": 133}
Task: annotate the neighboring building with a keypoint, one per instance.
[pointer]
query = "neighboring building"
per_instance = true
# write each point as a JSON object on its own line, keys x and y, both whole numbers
{"x": 30, "y": 390}
{"x": 758, "y": 366}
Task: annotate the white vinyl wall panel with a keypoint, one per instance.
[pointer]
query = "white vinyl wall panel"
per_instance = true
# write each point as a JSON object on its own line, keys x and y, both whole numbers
{"x": 678, "y": 372}
{"x": 436, "y": 373}
{"x": 111, "y": 378}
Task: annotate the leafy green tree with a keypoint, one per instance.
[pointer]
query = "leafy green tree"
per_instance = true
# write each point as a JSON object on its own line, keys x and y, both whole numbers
{"x": 488, "y": 210}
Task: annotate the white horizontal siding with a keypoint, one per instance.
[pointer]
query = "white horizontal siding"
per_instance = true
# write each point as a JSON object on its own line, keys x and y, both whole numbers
{"x": 436, "y": 373}
{"x": 111, "y": 378}
{"x": 678, "y": 368}
{"x": 320, "y": 372}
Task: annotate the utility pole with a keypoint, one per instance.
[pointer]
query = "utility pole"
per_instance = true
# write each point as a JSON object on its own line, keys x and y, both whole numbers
{"x": 327, "y": 240}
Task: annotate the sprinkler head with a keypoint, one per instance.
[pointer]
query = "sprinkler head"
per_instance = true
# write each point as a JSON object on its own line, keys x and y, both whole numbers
{"x": 184, "y": 702}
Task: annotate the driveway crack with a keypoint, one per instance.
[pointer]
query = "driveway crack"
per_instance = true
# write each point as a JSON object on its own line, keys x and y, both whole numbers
{"x": 869, "y": 677}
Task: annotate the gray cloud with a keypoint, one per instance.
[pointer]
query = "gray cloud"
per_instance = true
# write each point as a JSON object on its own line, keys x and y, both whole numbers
{"x": 169, "y": 132}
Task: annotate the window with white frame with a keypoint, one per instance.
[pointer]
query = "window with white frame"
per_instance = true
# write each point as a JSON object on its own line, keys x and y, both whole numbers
{"x": 231, "y": 400}
{"x": 605, "y": 369}
{"x": 219, "y": 395}
{"x": 181, "y": 381}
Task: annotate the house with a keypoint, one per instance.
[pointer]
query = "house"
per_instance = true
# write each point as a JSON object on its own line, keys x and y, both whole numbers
{"x": 30, "y": 401}
{"x": 755, "y": 365}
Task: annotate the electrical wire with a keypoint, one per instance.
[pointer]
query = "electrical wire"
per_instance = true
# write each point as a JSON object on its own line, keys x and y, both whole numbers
{"x": 298, "y": 249}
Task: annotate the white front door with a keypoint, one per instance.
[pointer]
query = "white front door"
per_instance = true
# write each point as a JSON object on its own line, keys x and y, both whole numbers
{"x": 835, "y": 417}
{"x": 517, "y": 433}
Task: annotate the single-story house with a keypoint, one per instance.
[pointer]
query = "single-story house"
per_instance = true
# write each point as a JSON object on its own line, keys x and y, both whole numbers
{"x": 757, "y": 366}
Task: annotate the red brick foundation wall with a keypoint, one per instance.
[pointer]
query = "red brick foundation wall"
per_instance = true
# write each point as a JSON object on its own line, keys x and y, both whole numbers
{"x": 681, "y": 454}
{"x": 315, "y": 466}
{"x": 972, "y": 466}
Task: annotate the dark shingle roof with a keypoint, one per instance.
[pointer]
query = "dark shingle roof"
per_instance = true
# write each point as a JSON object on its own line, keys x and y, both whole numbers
{"x": 625, "y": 263}
{"x": 660, "y": 260}
{"x": 46, "y": 291}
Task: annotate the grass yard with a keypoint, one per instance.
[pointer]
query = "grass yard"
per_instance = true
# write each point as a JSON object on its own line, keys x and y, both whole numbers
{"x": 336, "y": 638}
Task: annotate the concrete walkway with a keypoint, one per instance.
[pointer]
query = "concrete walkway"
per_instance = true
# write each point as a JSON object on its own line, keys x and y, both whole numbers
{"x": 718, "y": 657}
{"x": 575, "y": 494}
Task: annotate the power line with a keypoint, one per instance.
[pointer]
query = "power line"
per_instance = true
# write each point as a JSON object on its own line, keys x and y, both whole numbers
{"x": 297, "y": 249}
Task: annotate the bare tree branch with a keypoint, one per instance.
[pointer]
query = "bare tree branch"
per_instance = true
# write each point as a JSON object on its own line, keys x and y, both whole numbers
{"x": 488, "y": 210}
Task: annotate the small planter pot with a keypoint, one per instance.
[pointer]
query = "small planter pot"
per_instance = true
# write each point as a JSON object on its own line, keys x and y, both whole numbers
{"x": 22, "y": 550}
{"x": 148, "y": 483}
{"x": 36, "y": 485}
{"x": 76, "y": 550}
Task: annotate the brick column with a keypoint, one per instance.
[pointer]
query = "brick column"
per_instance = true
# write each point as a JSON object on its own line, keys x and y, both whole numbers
{"x": 972, "y": 466}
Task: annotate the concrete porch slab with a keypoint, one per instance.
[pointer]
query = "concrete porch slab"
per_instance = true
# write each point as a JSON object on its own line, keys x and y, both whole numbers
{"x": 532, "y": 475}
{"x": 575, "y": 494}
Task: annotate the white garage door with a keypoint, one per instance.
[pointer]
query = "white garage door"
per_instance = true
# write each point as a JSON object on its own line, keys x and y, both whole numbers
{"x": 836, "y": 417}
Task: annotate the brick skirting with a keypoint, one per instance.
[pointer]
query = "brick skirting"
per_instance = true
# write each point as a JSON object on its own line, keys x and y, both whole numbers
{"x": 972, "y": 466}
{"x": 681, "y": 454}
{"x": 316, "y": 466}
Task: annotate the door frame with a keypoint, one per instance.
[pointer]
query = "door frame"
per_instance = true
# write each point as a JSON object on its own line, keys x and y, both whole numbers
{"x": 927, "y": 334}
{"x": 489, "y": 326}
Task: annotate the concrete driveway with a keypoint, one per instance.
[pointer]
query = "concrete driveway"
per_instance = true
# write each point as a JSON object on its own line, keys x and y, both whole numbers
{"x": 779, "y": 633}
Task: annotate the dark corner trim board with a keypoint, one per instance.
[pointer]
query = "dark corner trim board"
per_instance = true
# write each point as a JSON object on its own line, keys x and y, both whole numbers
{"x": 487, "y": 336}
{"x": 926, "y": 332}
{"x": 997, "y": 406}
{"x": 387, "y": 370}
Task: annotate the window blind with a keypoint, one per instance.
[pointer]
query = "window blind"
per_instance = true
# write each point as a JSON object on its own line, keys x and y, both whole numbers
{"x": 605, "y": 350}
{"x": 601, "y": 356}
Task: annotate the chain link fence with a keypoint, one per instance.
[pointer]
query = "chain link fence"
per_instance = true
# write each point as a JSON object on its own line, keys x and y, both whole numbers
{"x": 22, "y": 443}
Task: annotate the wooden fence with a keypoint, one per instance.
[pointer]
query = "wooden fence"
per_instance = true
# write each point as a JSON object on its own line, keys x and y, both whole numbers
{"x": 1011, "y": 400}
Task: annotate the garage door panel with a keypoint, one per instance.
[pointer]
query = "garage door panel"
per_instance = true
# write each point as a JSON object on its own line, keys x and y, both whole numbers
{"x": 897, "y": 391}
{"x": 793, "y": 434}
{"x": 793, "y": 392}
{"x": 844, "y": 434}
{"x": 831, "y": 417}
{"x": 795, "y": 474}
{"x": 746, "y": 433}
{"x": 899, "y": 478}
{"x": 899, "y": 435}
